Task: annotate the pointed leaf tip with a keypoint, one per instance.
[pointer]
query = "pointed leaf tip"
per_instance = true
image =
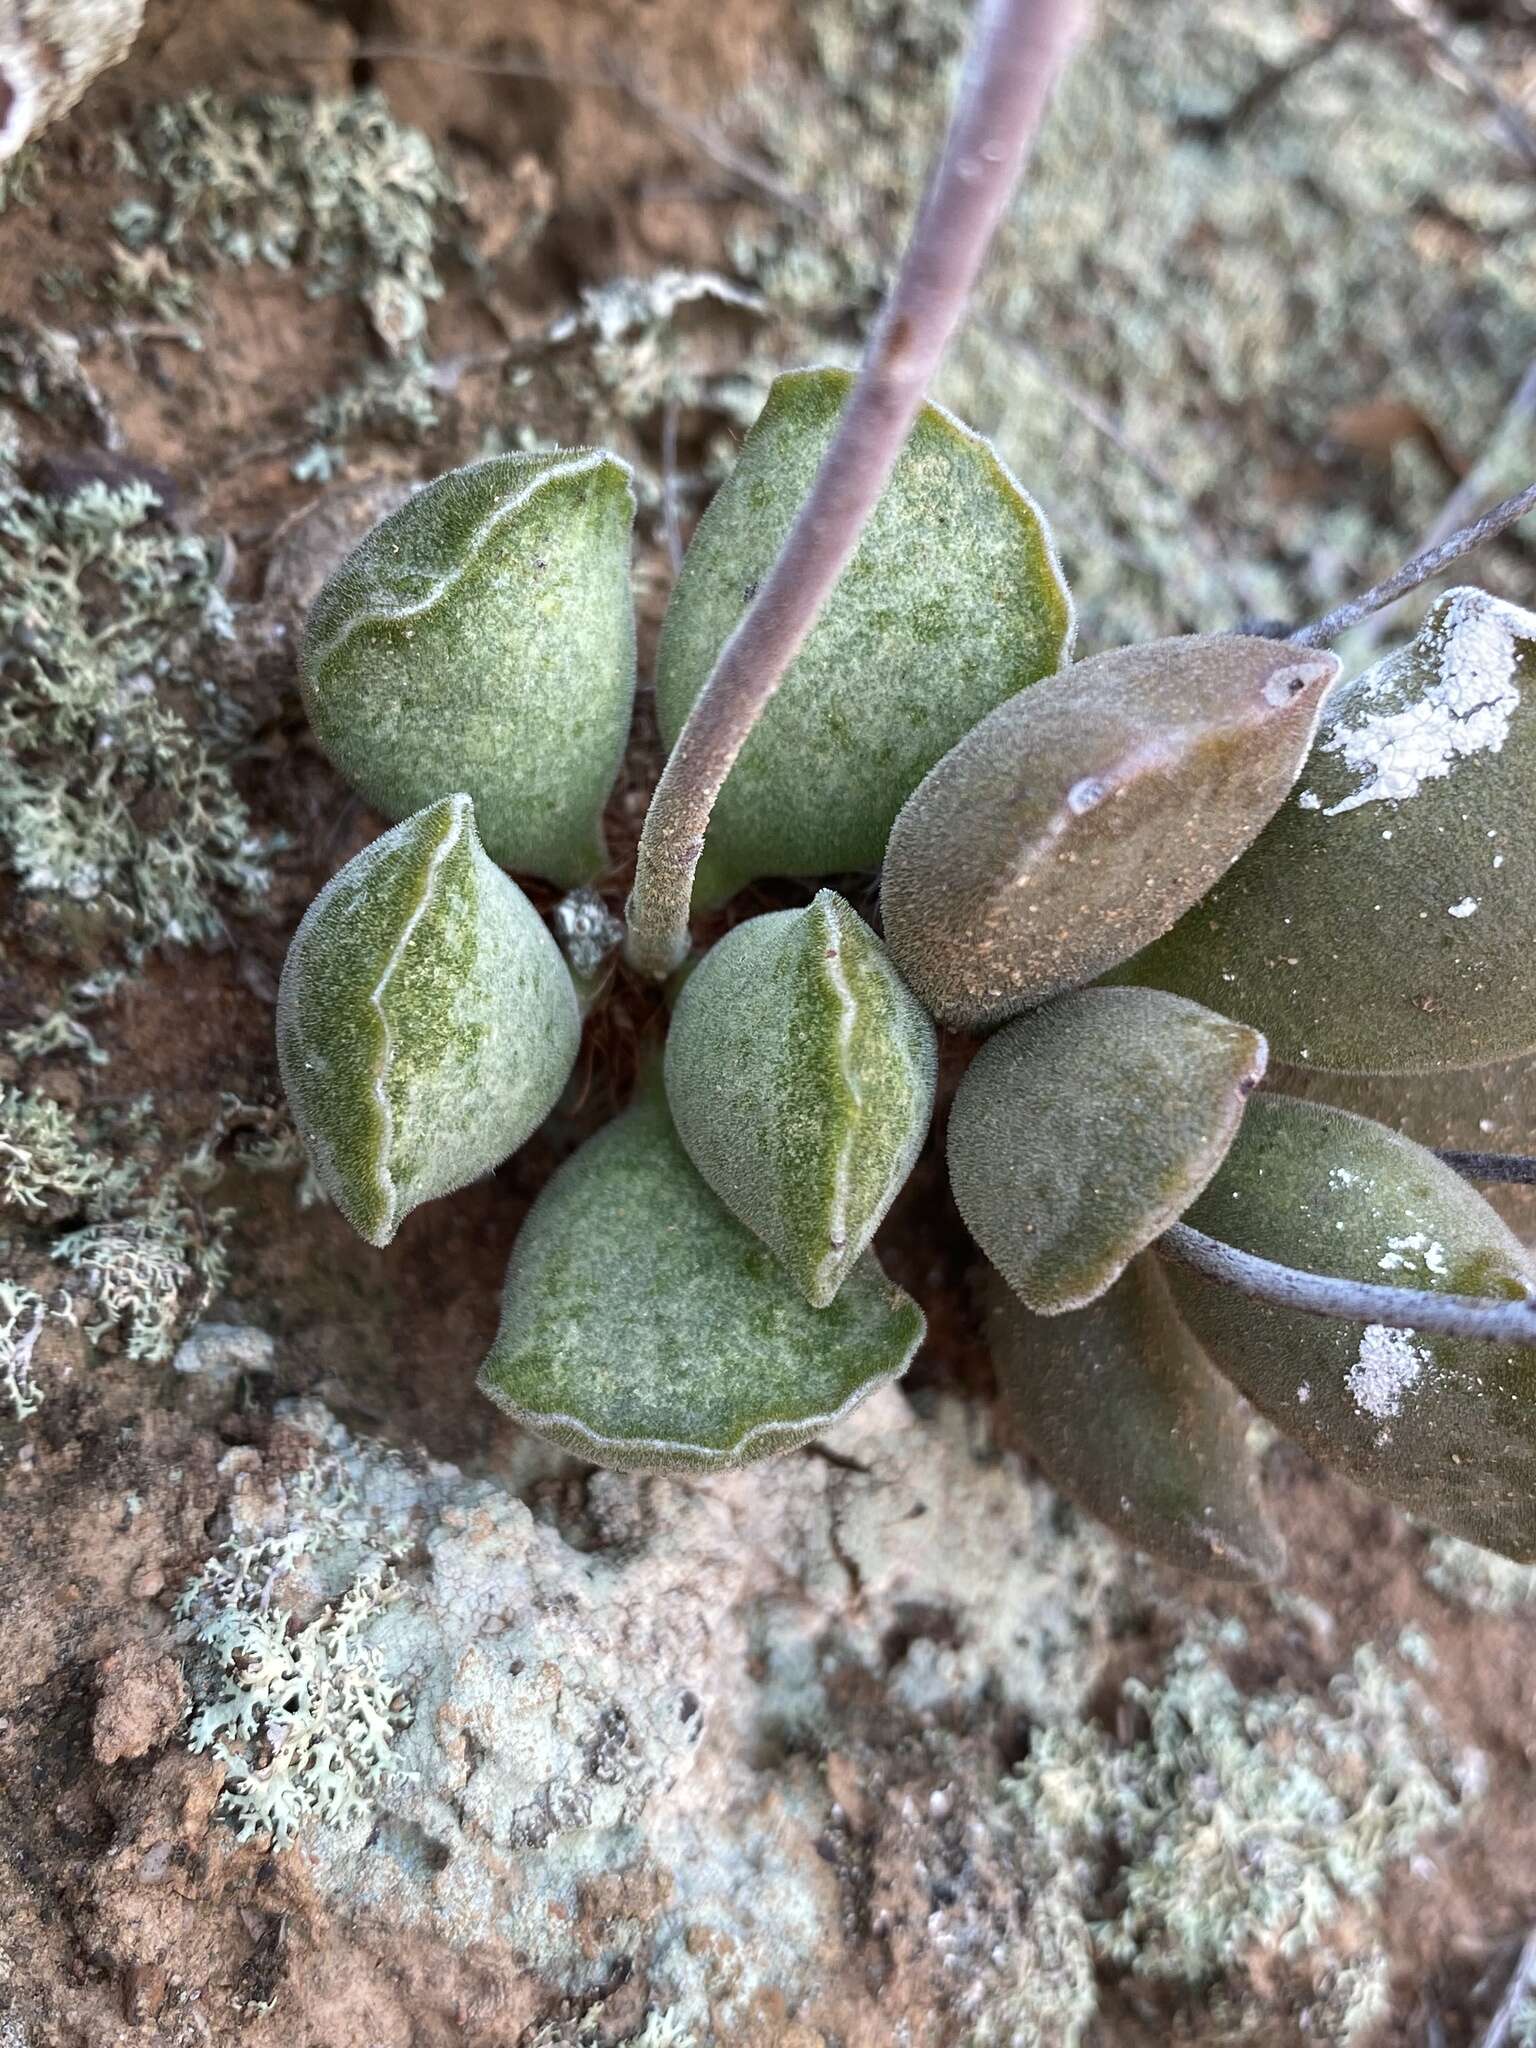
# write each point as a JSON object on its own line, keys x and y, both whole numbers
{"x": 1080, "y": 1133}
{"x": 1077, "y": 821}
{"x": 1123, "y": 1411}
{"x": 1386, "y": 920}
{"x": 481, "y": 638}
{"x": 954, "y": 599}
{"x": 801, "y": 1072}
{"x": 642, "y": 1326}
{"x": 426, "y": 1022}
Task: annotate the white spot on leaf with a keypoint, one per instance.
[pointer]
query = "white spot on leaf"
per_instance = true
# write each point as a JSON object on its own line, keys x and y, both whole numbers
{"x": 1389, "y": 1363}
{"x": 1465, "y": 710}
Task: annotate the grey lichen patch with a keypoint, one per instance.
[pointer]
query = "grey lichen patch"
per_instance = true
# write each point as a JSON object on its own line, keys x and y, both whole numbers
{"x": 800, "y": 1071}
{"x": 334, "y": 186}
{"x": 48, "y": 1168}
{"x": 24, "y": 1317}
{"x": 115, "y": 741}
{"x": 643, "y": 1326}
{"x": 481, "y": 638}
{"x": 1245, "y": 1837}
{"x": 953, "y": 601}
{"x": 1469, "y": 1576}
{"x": 426, "y": 1021}
{"x": 1386, "y": 919}
{"x": 145, "y": 1274}
{"x": 1080, "y": 819}
{"x": 1446, "y": 1427}
{"x": 1080, "y": 1133}
{"x": 290, "y": 1685}
{"x": 1127, "y": 1415}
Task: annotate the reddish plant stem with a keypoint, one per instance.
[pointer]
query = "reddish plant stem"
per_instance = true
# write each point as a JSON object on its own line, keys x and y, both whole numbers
{"x": 1016, "y": 51}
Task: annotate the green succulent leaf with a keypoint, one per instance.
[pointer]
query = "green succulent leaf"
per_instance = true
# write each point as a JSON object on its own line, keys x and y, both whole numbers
{"x": 1446, "y": 1427}
{"x": 953, "y": 601}
{"x": 1128, "y": 1417}
{"x": 1468, "y": 1109}
{"x": 1076, "y": 822}
{"x": 482, "y": 638}
{"x": 643, "y": 1326}
{"x": 1386, "y": 920}
{"x": 801, "y": 1071}
{"x": 426, "y": 1022}
{"x": 1080, "y": 1133}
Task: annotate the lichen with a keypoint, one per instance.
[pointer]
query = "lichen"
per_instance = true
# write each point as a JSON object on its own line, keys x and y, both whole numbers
{"x": 149, "y": 1272}
{"x": 47, "y": 1168}
{"x": 332, "y": 185}
{"x": 115, "y": 743}
{"x": 306, "y": 1724}
{"x": 1480, "y": 1579}
{"x": 1243, "y": 1827}
{"x": 24, "y": 1314}
{"x": 1325, "y": 220}
{"x": 289, "y": 1686}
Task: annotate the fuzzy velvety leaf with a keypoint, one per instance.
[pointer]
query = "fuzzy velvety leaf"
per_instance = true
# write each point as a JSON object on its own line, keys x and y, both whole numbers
{"x": 426, "y": 1022}
{"x": 482, "y": 638}
{"x": 1125, "y": 1413}
{"x": 953, "y": 601}
{"x": 1386, "y": 920}
{"x": 1444, "y": 1426}
{"x": 1080, "y": 1133}
{"x": 800, "y": 1070}
{"x": 1078, "y": 821}
{"x": 1470, "y": 1109}
{"x": 643, "y": 1326}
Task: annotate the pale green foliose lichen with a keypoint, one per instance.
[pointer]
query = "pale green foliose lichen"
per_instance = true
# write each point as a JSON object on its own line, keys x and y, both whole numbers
{"x": 800, "y": 1071}
{"x": 426, "y": 1021}
{"x": 481, "y": 638}
{"x": 643, "y": 1326}
{"x": 46, "y": 1165}
{"x": 953, "y": 601}
{"x": 1243, "y": 1833}
{"x": 305, "y": 1721}
{"x": 115, "y": 743}
{"x": 333, "y": 184}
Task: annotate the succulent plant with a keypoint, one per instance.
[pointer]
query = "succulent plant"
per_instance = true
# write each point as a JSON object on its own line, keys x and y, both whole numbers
{"x": 1140, "y": 874}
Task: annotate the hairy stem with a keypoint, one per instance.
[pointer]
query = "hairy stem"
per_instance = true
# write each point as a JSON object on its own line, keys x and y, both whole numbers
{"x": 1419, "y": 570}
{"x": 1350, "y": 1301}
{"x": 1017, "y": 49}
{"x": 1514, "y": 1167}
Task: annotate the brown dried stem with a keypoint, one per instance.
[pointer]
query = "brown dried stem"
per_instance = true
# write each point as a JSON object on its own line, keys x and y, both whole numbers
{"x": 1429, "y": 562}
{"x": 1017, "y": 50}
